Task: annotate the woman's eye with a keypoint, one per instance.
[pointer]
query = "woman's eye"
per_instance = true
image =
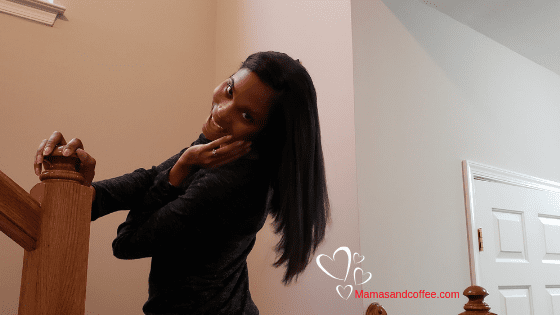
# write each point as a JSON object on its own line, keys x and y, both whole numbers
{"x": 229, "y": 89}
{"x": 247, "y": 116}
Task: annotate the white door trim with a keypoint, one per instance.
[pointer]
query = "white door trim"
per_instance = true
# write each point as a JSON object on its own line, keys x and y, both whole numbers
{"x": 477, "y": 171}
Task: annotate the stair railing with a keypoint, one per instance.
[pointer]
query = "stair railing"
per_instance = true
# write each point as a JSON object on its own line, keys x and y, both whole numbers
{"x": 52, "y": 224}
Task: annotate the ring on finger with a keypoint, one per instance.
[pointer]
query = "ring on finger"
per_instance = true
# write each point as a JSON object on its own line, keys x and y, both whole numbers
{"x": 214, "y": 152}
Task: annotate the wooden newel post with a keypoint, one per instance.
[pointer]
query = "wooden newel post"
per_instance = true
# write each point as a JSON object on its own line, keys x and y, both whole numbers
{"x": 476, "y": 304}
{"x": 375, "y": 309}
{"x": 54, "y": 275}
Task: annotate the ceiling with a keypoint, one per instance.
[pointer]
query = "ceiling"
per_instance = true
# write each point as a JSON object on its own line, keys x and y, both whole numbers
{"x": 529, "y": 27}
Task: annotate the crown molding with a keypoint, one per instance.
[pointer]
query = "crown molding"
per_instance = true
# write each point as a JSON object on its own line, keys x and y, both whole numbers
{"x": 36, "y": 10}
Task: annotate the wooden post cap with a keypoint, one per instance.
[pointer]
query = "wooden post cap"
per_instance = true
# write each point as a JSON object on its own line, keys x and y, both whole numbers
{"x": 476, "y": 304}
{"x": 375, "y": 309}
{"x": 57, "y": 166}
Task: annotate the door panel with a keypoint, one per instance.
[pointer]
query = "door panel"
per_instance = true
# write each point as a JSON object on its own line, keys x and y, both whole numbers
{"x": 520, "y": 261}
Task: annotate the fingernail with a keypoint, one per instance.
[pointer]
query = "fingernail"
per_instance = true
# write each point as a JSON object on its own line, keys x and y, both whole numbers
{"x": 46, "y": 151}
{"x": 66, "y": 152}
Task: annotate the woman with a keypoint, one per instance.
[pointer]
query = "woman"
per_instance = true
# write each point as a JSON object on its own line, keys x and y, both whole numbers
{"x": 197, "y": 214}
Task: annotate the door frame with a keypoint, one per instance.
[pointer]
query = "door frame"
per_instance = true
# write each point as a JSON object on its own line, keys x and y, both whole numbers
{"x": 476, "y": 171}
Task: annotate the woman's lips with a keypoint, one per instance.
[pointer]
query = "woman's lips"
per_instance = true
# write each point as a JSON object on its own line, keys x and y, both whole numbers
{"x": 215, "y": 123}
{"x": 212, "y": 117}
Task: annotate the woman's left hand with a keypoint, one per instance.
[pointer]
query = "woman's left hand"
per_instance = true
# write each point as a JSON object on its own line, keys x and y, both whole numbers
{"x": 215, "y": 153}
{"x": 210, "y": 155}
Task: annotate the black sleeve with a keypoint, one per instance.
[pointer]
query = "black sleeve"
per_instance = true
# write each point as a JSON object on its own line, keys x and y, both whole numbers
{"x": 128, "y": 191}
{"x": 211, "y": 202}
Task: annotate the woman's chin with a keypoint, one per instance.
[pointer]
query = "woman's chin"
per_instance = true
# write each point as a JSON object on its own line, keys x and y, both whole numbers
{"x": 205, "y": 131}
{"x": 209, "y": 134}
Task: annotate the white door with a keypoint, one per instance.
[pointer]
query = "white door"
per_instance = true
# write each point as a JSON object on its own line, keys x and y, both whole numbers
{"x": 519, "y": 265}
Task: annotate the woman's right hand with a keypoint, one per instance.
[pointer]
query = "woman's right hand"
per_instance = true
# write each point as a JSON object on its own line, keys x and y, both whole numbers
{"x": 74, "y": 146}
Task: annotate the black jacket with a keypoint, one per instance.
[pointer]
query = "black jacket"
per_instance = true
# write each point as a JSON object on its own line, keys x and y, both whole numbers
{"x": 198, "y": 234}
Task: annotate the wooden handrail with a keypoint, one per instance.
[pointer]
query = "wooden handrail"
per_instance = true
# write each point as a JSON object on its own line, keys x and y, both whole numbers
{"x": 19, "y": 214}
{"x": 52, "y": 225}
{"x": 475, "y": 305}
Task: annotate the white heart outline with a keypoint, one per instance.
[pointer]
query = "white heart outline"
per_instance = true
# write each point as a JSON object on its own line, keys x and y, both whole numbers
{"x": 350, "y": 293}
{"x": 356, "y": 282}
{"x": 344, "y": 248}
{"x": 354, "y": 257}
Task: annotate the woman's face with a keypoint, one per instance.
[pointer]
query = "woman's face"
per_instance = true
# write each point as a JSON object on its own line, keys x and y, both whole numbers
{"x": 240, "y": 107}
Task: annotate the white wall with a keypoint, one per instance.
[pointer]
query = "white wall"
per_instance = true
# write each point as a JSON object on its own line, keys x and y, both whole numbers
{"x": 430, "y": 92}
{"x": 318, "y": 33}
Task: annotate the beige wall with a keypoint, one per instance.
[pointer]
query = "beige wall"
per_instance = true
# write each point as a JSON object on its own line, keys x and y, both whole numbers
{"x": 133, "y": 80}
{"x": 318, "y": 33}
{"x": 429, "y": 93}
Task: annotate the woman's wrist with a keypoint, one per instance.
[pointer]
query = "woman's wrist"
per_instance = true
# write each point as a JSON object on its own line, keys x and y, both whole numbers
{"x": 178, "y": 173}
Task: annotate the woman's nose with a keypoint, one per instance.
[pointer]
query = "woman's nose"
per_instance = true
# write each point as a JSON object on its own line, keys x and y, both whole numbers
{"x": 223, "y": 111}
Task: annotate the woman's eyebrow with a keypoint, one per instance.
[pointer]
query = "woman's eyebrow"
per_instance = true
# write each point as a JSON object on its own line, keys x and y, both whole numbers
{"x": 245, "y": 107}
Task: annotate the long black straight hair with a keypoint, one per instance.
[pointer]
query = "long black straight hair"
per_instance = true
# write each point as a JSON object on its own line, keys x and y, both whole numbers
{"x": 291, "y": 144}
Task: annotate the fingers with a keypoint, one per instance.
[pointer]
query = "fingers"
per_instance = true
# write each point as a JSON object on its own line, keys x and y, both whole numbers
{"x": 231, "y": 148}
{"x": 39, "y": 157}
{"x": 85, "y": 158}
{"x": 219, "y": 142}
{"x": 203, "y": 155}
{"x": 235, "y": 151}
{"x": 55, "y": 139}
{"x": 47, "y": 146}
{"x": 232, "y": 158}
{"x": 72, "y": 147}
{"x": 87, "y": 167}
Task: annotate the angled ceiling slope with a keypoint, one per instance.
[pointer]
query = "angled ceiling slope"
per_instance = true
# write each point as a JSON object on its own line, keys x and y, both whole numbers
{"x": 529, "y": 27}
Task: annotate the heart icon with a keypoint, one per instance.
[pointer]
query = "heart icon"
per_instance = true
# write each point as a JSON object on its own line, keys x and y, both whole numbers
{"x": 345, "y": 249}
{"x": 361, "y": 276}
{"x": 356, "y": 257}
{"x": 338, "y": 287}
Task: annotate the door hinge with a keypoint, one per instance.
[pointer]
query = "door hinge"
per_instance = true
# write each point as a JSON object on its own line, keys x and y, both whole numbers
{"x": 480, "y": 241}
